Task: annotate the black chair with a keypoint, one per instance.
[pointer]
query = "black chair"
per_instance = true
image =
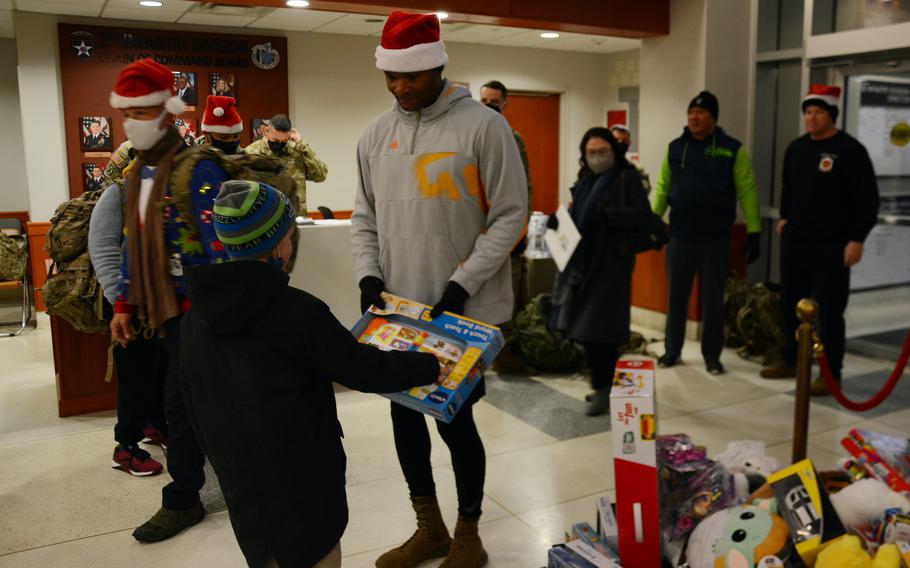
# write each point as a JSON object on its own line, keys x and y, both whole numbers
{"x": 325, "y": 212}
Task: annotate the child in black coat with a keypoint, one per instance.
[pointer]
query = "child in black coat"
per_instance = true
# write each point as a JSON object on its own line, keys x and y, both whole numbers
{"x": 258, "y": 361}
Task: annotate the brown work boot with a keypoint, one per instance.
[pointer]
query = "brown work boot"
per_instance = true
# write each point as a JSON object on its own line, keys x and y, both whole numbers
{"x": 780, "y": 371}
{"x": 819, "y": 387}
{"x": 430, "y": 540}
{"x": 467, "y": 550}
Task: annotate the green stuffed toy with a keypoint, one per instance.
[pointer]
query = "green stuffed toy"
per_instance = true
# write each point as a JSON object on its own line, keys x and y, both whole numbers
{"x": 747, "y": 536}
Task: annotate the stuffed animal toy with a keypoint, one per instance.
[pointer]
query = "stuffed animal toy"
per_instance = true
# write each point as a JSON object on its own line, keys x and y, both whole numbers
{"x": 865, "y": 501}
{"x": 748, "y": 456}
{"x": 847, "y": 552}
{"x": 746, "y": 536}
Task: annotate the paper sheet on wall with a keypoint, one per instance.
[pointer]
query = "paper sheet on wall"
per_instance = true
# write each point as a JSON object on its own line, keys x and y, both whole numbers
{"x": 563, "y": 241}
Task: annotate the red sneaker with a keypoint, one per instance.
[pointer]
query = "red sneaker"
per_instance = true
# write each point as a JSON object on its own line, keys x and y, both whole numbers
{"x": 135, "y": 461}
{"x": 155, "y": 437}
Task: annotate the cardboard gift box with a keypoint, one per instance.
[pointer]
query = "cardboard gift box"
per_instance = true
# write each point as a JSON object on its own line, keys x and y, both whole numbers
{"x": 633, "y": 421}
{"x": 803, "y": 502}
{"x": 464, "y": 347}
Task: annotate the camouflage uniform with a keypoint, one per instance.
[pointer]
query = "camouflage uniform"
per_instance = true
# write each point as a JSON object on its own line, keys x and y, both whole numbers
{"x": 302, "y": 162}
{"x": 116, "y": 166}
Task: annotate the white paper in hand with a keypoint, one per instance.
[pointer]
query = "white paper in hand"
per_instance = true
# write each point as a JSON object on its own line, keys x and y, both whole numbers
{"x": 563, "y": 241}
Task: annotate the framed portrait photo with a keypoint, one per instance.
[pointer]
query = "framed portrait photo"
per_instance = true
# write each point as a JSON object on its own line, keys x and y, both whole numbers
{"x": 92, "y": 176}
{"x": 225, "y": 84}
{"x": 95, "y": 134}
{"x": 188, "y": 128}
{"x": 185, "y": 85}
{"x": 258, "y": 128}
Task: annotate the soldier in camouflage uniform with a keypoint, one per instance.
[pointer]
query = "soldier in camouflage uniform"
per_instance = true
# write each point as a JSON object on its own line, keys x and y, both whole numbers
{"x": 495, "y": 96}
{"x": 303, "y": 164}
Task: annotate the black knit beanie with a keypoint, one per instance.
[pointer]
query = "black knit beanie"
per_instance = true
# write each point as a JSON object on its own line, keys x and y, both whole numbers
{"x": 707, "y": 101}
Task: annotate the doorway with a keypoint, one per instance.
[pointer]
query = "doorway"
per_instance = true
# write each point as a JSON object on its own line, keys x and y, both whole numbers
{"x": 535, "y": 116}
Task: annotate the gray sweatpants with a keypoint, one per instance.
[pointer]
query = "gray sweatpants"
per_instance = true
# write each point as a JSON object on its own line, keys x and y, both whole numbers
{"x": 711, "y": 261}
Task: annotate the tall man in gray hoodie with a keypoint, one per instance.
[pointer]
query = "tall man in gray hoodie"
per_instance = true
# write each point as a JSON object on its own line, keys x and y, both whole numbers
{"x": 441, "y": 203}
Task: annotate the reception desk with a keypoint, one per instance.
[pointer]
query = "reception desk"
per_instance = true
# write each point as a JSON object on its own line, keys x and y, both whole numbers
{"x": 325, "y": 267}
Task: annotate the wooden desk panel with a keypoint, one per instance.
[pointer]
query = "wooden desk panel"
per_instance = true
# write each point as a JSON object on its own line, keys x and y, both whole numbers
{"x": 38, "y": 260}
{"x": 80, "y": 364}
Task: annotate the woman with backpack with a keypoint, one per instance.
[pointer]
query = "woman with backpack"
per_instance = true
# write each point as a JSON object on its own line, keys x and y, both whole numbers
{"x": 591, "y": 300}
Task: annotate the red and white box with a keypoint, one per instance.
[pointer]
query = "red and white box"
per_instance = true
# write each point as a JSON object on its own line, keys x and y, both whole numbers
{"x": 634, "y": 424}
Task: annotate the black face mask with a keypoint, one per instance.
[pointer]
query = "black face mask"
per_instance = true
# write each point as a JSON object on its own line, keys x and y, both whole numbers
{"x": 494, "y": 107}
{"x": 228, "y": 147}
{"x": 623, "y": 148}
{"x": 277, "y": 147}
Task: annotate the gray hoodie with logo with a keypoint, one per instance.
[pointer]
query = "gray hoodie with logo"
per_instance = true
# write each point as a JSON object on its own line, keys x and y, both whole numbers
{"x": 442, "y": 195}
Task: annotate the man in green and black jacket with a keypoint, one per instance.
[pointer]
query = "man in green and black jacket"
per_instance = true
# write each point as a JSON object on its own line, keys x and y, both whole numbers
{"x": 704, "y": 173}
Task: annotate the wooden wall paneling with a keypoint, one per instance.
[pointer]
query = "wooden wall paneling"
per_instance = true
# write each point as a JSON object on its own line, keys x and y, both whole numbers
{"x": 39, "y": 261}
{"x": 80, "y": 365}
{"x": 88, "y": 80}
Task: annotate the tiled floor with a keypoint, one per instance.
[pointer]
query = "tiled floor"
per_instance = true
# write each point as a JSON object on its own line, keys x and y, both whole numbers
{"x": 62, "y": 505}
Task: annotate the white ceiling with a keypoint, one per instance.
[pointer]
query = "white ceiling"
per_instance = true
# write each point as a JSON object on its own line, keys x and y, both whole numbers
{"x": 296, "y": 19}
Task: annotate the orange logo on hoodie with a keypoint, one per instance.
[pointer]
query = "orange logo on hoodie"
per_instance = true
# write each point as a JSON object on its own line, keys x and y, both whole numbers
{"x": 394, "y": 145}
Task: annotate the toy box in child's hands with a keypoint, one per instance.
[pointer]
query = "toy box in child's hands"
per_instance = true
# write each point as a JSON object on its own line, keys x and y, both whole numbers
{"x": 632, "y": 412}
{"x": 464, "y": 347}
{"x": 884, "y": 457}
{"x": 803, "y": 502}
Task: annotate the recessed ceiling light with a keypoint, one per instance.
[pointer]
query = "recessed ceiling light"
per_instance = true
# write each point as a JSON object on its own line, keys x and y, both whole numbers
{"x": 150, "y": 3}
{"x": 442, "y": 15}
{"x": 549, "y": 35}
{"x": 297, "y": 3}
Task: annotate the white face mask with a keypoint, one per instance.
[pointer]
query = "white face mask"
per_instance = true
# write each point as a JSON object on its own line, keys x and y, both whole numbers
{"x": 599, "y": 163}
{"x": 144, "y": 133}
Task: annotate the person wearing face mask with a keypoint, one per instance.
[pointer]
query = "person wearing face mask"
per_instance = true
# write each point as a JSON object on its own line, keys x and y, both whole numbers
{"x": 167, "y": 222}
{"x": 591, "y": 299}
{"x": 494, "y": 95}
{"x": 222, "y": 125}
{"x": 704, "y": 173}
{"x": 624, "y": 137}
{"x": 301, "y": 160}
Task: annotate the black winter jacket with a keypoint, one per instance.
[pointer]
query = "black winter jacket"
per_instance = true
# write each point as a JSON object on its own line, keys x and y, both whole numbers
{"x": 257, "y": 363}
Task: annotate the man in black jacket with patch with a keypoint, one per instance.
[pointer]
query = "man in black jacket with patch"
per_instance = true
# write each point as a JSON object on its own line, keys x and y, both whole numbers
{"x": 828, "y": 206}
{"x": 704, "y": 173}
{"x": 257, "y": 363}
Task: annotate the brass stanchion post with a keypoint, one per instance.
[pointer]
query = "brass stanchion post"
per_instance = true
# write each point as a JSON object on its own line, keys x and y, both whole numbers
{"x": 805, "y": 311}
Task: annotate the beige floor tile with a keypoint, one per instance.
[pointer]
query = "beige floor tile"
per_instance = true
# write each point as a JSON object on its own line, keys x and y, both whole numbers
{"x": 540, "y": 477}
{"x": 769, "y": 419}
{"x": 689, "y": 389}
{"x": 822, "y": 459}
{"x": 210, "y": 543}
{"x": 381, "y": 514}
{"x": 63, "y": 488}
{"x": 554, "y": 522}
{"x": 899, "y": 420}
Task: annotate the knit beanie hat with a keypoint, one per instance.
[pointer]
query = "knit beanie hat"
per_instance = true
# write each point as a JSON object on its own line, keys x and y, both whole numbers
{"x": 825, "y": 97}
{"x": 221, "y": 116}
{"x": 410, "y": 42}
{"x": 251, "y": 218}
{"x": 146, "y": 83}
{"x": 707, "y": 101}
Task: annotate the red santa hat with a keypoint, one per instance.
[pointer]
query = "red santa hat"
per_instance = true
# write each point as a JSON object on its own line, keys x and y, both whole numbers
{"x": 145, "y": 83}
{"x": 410, "y": 42}
{"x": 221, "y": 116}
{"x": 824, "y": 96}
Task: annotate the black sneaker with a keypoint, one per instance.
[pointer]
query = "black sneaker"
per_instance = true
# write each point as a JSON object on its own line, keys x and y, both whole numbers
{"x": 599, "y": 403}
{"x": 668, "y": 360}
{"x": 168, "y": 522}
{"x": 715, "y": 368}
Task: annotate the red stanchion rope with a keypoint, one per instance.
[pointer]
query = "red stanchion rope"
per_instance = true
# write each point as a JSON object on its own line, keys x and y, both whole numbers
{"x": 835, "y": 390}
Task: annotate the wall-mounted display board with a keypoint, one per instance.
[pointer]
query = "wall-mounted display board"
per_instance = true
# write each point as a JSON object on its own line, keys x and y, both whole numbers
{"x": 91, "y": 57}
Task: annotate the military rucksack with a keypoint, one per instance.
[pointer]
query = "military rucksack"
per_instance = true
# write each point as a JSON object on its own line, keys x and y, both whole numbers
{"x": 71, "y": 290}
{"x": 252, "y": 167}
{"x": 752, "y": 320}
{"x": 12, "y": 257}
{"x": 538, "y": 346}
